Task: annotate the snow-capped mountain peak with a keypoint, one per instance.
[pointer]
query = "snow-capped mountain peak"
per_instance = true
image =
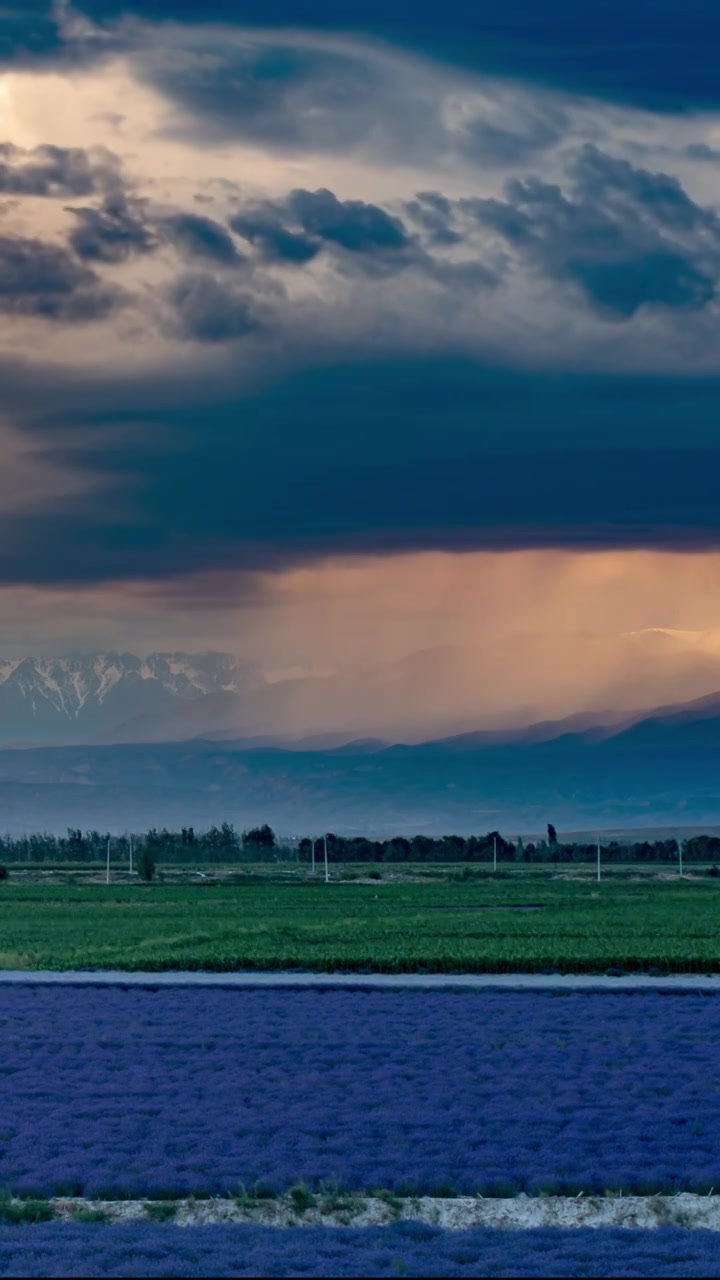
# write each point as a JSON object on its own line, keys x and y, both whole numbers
{"x": 78, "y": 696}
{"x": 7, "y": 666}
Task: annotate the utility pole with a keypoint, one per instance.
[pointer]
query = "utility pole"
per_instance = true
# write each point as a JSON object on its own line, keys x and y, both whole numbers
{"x": 598, "y": 857}
{"x": 680, "y": 852}
{"x": 313, "y": 855}
{"x": 327, "y": 877}
{"x": 131, "y": 851}
{"x": 107, "y": 864}
{"x": 494, "y": 853}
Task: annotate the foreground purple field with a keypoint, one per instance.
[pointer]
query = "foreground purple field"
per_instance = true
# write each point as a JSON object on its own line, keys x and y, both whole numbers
{"x": 408, "y": 1249}
{"x": 127, "y": 1092}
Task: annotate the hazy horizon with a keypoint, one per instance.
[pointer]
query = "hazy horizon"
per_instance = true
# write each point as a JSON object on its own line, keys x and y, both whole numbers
{"x": 511, "y": 681}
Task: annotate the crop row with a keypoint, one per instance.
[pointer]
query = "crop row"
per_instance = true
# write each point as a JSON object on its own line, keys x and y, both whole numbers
{"x": 392, "y": 928}
{"x": 407, "y": 1248}
{"x": 140, "y": 1093}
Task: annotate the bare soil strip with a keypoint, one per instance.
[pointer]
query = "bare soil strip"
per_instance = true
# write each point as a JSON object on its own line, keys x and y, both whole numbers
{"x": 391, "y": 981}
{"x": 338, "y": 1210}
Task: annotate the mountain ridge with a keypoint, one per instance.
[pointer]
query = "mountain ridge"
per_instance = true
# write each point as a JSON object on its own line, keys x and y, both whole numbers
{"x": 659, "y": 771}
{"x": 113, "y": 696}
{"x": 79, "y": 697}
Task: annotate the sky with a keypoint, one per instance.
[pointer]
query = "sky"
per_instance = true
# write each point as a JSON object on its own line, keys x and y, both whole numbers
{"x": 334, "y": 333}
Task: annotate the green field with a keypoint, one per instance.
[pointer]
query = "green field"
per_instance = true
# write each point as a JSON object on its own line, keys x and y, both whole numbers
{"x": 402, "y": 926}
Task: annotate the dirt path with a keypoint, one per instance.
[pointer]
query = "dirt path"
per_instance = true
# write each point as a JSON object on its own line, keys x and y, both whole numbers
{"x": 641, "y": 1212}
{"x": 382, "y": 981}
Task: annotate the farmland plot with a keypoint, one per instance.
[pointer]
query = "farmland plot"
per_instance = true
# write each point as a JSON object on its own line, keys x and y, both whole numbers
{"x": 395, "y": 928}
{"x": 137, "y": 1092}
{"x": 409, "y": 1249}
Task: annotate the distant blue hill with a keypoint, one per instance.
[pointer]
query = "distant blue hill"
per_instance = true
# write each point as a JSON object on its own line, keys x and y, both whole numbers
{"x": 660, "y": 770}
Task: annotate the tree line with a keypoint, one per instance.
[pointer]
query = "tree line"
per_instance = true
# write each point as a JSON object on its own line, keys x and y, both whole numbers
{"x": 218, "y": 844}
{"x": 493, "y": 846}
{"x": 257, "y": 844}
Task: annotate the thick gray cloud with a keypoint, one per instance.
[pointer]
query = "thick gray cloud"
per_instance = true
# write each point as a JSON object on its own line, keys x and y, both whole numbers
{"x": 298, "y": 95}
{"x": 207, "y": 310}
{"x": 352, "y": 224}
{"x": 701, "y": 151}
{"x": 51, "y": 36}
{"x": 660, "y": 54}
{"x": 201, "y": 472}
{"x": 363, "y": 239}
{"x": 55, "y": 171}
{"x": 378, "y": 455}
{"x": 262, "y": 226}
{"x": 434, "y": 212}
{"x": 278, "y": 95}
{"x": 43, "y": 280}
{"x": 637, "y": 192}
{"x": 123, "y": 226}
{"x": 29, "y": 35}
{"x": 295, "y": 229}
{"x": 627, "y": 237}
{"x": 657, "y": 277}
{"x": 113, "y": 232}
{"x": 200, "y": 237}
{"x": 536, "y": 128}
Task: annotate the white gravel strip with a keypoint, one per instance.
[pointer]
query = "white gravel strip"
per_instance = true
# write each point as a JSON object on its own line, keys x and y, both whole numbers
{"x": 521, "y": 1212}
{"x": 391, "y": 981}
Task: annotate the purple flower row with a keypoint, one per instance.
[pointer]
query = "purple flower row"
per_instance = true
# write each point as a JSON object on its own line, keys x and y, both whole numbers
{"x": 143, "y": 1092}
{"x": 409, "y": 1248}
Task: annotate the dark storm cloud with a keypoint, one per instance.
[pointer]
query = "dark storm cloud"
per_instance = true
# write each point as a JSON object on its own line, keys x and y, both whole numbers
{"x": 295, "y": 229}
{"x": 363, "y": 238}
{"x": 113, "y": 232}
{"x": 122, "y": 226}
{"x": 658, "y": 277}
{"x": 376, "y": 456}
{"x": 34, "y": 36}
{"x": 291, "y": 93}
{"x": 435, "y": 214}
{"x": 701, "y": 151}
{"x": 55, "y": 171}
{"x": 657, "y": 53}
{"x": 626, "y": 236}
{"x": 196, "y": 472}
{"x": 28, "y": 32}
{"x": 200, "y": 237}
{"x": 262, "y": 226}
{"x": 43, "y": 280}
{"x": 352, "y": 224}
{"x": 605, "y": 178}
{"x": 206, "y": 310}
{"x": 272, "y": 94}
{"x": 513, "y": 143}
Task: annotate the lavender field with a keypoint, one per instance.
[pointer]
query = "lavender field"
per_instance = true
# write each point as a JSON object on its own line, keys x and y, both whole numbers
{"x": 409, "y": 1249}
{"x": 141, "y": 1092}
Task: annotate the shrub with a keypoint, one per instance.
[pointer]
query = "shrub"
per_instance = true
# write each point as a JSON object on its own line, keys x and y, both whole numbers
{"x": 262, "y": 1191}
{"x": 393, "y": 1202}
{"x": 90, "y": 1215}
{"x": 146, "y": 866}
{"x": 259, "y": 839}
{"x": 302, "y": 1198}
{"x": 465, "y": 874}
{"x": 336, "y": 1201}
{"x": 16, "y": 1212}
{"x": 160, "y": 1212}
{"x": 4, "y": 873}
